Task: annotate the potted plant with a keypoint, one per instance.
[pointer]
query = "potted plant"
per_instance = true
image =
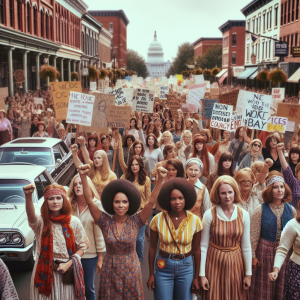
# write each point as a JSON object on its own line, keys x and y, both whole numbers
{"x": 48, "y": 71}
{"x": 277, "y": 76}
{"x": 74, "y": 76}
{"x": 119, "y": 73}
{"x": 93, "y": 73}
{"x": 102, "y": 73}
{"x": 206, "y": 74}
{"x": 263, "y": 75}
{"x": 215, "y": 71}
{"x": 198, "y": 71}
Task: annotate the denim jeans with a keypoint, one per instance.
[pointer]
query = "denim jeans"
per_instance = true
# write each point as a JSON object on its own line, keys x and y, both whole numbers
{"x": 140, "y": 242}
{"x": 174, "y": 282}
{"x": 89, "y": 268}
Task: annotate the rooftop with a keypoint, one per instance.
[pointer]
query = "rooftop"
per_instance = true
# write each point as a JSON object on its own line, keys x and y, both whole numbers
{"x": 231, "y": 23}
{"x": 110, "y": 13}
{"x": 254, "y": 6}
{"x": 202, "y": 39}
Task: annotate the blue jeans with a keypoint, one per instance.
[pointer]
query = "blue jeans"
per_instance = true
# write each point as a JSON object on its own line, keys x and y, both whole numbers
{"x": 174, "y": 282}
{"x": 140, "y": 242}
{"x": 89, "y": 268}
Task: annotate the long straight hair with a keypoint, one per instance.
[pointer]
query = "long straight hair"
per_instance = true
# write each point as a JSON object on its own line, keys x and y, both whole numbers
{"x": 142, "y": 173}
{"x": 203, "y": 155}
{"x": 105, "y": 169}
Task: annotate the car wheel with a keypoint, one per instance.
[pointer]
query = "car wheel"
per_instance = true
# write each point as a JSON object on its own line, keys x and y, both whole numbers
{"x": 29, "y": 263}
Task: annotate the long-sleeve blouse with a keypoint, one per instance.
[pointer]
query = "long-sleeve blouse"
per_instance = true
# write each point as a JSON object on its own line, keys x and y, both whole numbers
{"x": 293, "y": 184}
{"x": 251, "y": 203}
{"x": 245, "y": 238}
{"x": 5, "y": 125}
{"x": 256, "y": 223}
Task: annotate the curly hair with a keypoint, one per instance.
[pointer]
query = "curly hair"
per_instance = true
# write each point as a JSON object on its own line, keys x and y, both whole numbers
{"x": 184, "y": 133}
{"x": 121, "y": 186}
{"x": 177, "y": 164}
{"x": 203, "y": 155}
{"x": 181, "y": 184}
{"x": 162, "y": 139}
{"x": 269, "y": 139}
{"x": 155, "y": 146}
{"x": 225, "y": 156}
{"x": 142, "y": 173}
{"x": 128, "y": 136}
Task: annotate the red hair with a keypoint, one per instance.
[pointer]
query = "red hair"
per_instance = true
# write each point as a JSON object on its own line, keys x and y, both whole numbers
{"x": 203, "y": 155}
{"x": 66, "y": 208}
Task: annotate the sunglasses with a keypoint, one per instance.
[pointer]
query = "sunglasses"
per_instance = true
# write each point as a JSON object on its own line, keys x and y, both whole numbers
{"x": 256, "y": 145}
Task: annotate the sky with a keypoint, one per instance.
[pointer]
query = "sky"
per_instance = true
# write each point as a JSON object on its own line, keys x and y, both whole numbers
{"x": 175, "y": 21}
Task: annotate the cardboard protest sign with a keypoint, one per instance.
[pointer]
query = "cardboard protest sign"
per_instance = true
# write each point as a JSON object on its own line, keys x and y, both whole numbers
{"x": 120, "y": 96}
{"x": 221, "y": 116}
{"x": 80, "y": 109}
{"x": 107, "y": 90}
{"x": 101, "y": 84}
{"x": 236, "y": 121}
{"x": 3, "y": 96}
{"x": 199, "y": 79}
{"x": 195, "y": 96}
{"x": 19, "y": 75}
{"x": 61, "y": 94}
{"x": 229, "y": 98}
{"x": 208, "y": 107}
{"x": 118, "y": 116}
{"x": 106, "y": 83}
{"x": 278, "y": 95}
{"x": 179, "y": 77}
{"x": 241, "y": 101}
{"x": 38, "y": 100}
{"x": 257, "y": 110}
{"x": 174, "y": 105}
{"x": 189, "y": 108}
{"x": 214, "y": 92}
{"x": 290, "y": 111}
{"x": 143, "y": 101}
{"x": 129, "y": 92}
{"x": 198, "y": 86}
{"x": 93, "y": 86}
{"x": 277, "y": 123}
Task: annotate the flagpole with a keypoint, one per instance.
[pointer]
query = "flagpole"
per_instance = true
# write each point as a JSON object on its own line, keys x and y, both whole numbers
{"x": 267, "y": 37}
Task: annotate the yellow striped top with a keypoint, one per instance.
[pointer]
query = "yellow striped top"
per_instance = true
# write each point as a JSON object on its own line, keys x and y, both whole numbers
{"x": 183, "y": 235}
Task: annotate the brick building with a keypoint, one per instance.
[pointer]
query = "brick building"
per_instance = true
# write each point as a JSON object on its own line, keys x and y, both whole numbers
{"x": 115, "y": 21}
{"x": 202, "y": 44}
{"x": 233, "y": 55}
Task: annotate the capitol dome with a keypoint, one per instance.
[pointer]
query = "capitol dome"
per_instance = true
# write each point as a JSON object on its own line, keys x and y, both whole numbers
{"x": 155, "y": 51}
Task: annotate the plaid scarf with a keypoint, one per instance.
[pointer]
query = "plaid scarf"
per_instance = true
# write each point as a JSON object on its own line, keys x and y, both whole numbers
{"x": 43, "y": 278}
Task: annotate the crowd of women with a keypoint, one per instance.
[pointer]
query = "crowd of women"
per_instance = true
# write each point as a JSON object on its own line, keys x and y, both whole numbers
{"x": 223, "y": 212}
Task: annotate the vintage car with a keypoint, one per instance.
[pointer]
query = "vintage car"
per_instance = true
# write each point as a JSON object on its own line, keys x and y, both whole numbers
{"x": 17, "y": 240}
{"x": 51, "y": 153}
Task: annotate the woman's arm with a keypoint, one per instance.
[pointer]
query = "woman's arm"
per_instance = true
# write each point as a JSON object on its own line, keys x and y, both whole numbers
{"x": 151, "y": 258}
{"x": 84, "y": 152}
{"x": 142, "y": 137}
{"x": 255, "y": 228}
{"x": 121, "y": 156}
{"x": 265, "y": 170}
{"x": 147, "y": 166}
{"x": 83, "y": 170}
{"x": 196, "y": 252}
{"x": 246, "y": 244}
{"x": 246, "y": 138}
{"x": 30, "y": 210}
{"x": 280, "y": 148}
{"x": 76, "y": 160}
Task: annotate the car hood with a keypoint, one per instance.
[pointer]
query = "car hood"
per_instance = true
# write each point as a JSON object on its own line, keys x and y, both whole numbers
{"x": 12, "y": 217}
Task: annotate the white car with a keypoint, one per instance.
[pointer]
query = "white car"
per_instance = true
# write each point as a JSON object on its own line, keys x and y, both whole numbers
{"x": 17, "y": 241}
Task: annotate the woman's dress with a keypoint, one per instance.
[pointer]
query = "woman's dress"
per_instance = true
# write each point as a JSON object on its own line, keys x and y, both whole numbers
{"x": 24, "y": 130}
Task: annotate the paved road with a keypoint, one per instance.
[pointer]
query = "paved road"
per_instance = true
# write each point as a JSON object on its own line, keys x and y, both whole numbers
{"x": 22, "y": 279}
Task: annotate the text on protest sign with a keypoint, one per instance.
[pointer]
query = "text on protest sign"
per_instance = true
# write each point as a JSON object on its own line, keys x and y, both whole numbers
{"x": 241, "y": 101}
{"x": 214, "y": 92}
{"x": 195, "y": 95}
{"x": 198, "y": 86}
{"x": 38, "y": 101}
{"x": 278, "y": 95}
{"x": 120, "y": 96}
{"x": 61, "y": 94}
{"x": 221, "y": 116}
{"x": 80, "y": 109}
{"x": 93, "y": 86}
{"x": 189, "y": 108}
{"x": 129, "y": 92}
{"x": 208, "y": 107}
{"x": 236, "y": 121}
{"x": 290, "y": 111}
{"x": 143, "y": 101}
{"x": 277, "y": 123}
{"x": 257, "y": 110}
{"x": 118, "y": 116}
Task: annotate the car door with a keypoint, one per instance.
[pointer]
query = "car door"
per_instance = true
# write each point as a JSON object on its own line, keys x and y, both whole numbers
{"x": 68, "y": 162}
{"x": 59, "y": 173}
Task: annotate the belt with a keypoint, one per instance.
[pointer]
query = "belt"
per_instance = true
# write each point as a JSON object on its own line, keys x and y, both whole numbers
{"x": 224, "y": 249}
{"x": 174, "y": 256}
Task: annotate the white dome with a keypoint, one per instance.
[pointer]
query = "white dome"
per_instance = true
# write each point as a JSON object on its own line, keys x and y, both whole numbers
{"x": 155, "y": 51}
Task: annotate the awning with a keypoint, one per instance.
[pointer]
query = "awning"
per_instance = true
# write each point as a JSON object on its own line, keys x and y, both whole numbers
{"x": 190, "y": 66}
{"x": 253, "y": 76}
{"x": 295, "y": 77}
{"x": 248, "y": 72}
{"x": 221, "y": 73}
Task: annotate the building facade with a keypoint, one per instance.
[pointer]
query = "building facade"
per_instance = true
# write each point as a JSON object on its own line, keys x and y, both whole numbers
{"x": 115, "y": 22}
{"x": 156, "y": 65}
{"x": 233, "y": 55}
{"x": 104, "y": 48}
{"x": 202, "y": 44}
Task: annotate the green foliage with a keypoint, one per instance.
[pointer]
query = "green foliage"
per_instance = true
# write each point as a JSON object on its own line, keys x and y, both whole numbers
{"x": 136, "y": 63}
{"x": 198, "y": 71}
{"x": 277, "y": 75}
{"x": 93, "y": 73}
{"x": 74, "y": 76}
{"x": 215, "y": 71}
{"x": 263, "y": 75}
{"x": 48, "y": 71}
{"x": 211, "y": 59}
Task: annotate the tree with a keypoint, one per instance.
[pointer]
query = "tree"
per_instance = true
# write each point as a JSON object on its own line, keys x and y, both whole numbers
{"x": 185, "y": 53}
{"x": 136, "y": 62}
{"x": 211, "y": 58}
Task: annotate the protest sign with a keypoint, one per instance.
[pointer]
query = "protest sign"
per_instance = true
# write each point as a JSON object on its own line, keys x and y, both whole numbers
{"x": 120, "y": 96}
{"x": 257, "y": 110}
{"x": 277, "y": 123}
{"x": 221, "y": 116}
{"x": 241, "y": 101}
{"x": 118, "y": 116}
{"x": 189, "y": 108}
{"x": 119, "y": 83}
{"x": 143, "y": 101}
{"x": 199, "y": 79}
{"x": 106, "y": 83}
{"x": 290, "y": 126}
{"x": 38, "y": 100}
{"x": 107, "y": 90}
{"x": 80, "y": 109}
{"x": 19, "y": 75}
{"x": 93, "y": 85}
{"x": 290, "y": 111}
{"x": 129, "y": 94}
{"x": 198, "y": 86}
{"x": 208, "y": 107}
{"x": 229, "y": 98}
{"x": 61, "y": 94}
{"x": 214, "y": 92}
{"x": 174, "y": 105}
{"x": 3, "y": 96}
{"x": 128, "y": 78}
{"x": 278, "y": 93}
{"x": 236, "y": 121}
{"x": 179, "y": 89}
{"x": 179, "y": 77}
{"x": 101, "y": 84}
{"x": 195, "y": 95}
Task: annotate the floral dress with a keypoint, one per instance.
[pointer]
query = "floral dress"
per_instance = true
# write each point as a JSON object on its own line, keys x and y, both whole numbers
{"x": 120, "y": 276}
{"x": 24, "y": 130}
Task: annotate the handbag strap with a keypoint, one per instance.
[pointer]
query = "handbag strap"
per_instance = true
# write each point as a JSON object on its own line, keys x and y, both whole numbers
{"x": 172, "y": 234}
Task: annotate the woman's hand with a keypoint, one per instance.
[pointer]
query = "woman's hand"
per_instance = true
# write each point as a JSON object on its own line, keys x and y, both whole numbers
{"x": 29, "y": 189}
{"x": 268, "y": 163}
{"x": 255, "y": 263}
{"x": 280, "y": 147}
{"x": 195, "y": 286}
{"x": 63, "y": 267}
{"x": 74, "y": 148}
{"x": 162, "y": 172}
{"x": 84, "y": 169}
{"x": 139, "y": 125}
{"x": 151, "y": 283}
{"x": 204, "y": 283}
{"x": 179, "y": 145}
{"x": 99, "y": 266}
{"x": 115, "y": 147}
{"x": 273, "y": 276}
{"x": 247, "y": 282}
{"x": 80, "y": 140}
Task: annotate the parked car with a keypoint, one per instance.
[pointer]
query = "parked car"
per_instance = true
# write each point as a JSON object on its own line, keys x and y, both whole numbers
{"x": 51, "y": 153}
{"x": 17, "y": 240}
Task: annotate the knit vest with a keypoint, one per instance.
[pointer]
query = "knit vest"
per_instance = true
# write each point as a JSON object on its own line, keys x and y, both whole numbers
{"x": 269, "y": 221}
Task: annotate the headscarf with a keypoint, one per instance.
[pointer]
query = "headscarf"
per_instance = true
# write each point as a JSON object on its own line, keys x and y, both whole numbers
{"x": 195, "y": 160}
{"x": 253, "y": 151}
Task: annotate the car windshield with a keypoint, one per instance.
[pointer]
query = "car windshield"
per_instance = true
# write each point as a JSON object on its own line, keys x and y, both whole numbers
{"x": 11, "y": 191}
{"x": 37, "y": 156}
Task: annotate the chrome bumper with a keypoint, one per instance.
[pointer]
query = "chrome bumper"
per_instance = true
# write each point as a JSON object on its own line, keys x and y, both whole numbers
{"x": 23, "y": 253}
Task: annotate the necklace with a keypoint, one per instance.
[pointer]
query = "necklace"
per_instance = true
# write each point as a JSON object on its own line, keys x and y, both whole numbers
{"x": 120, "y": 220}
{"x": 176, "y": 218}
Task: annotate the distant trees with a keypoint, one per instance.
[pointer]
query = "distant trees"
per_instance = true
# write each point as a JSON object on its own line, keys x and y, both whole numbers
{"x": 211, "y": 58}
{"x": 136, "y": 62}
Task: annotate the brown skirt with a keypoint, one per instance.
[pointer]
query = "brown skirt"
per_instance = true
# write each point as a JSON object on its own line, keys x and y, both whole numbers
{"x": 4, "y": 137}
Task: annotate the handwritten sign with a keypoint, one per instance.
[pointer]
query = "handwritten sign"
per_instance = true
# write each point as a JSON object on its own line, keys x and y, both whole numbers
{"x": 241, "y": 101}
{"x": 236, "y": 121}
{"x": 38, "y": 100}
{"x": 199, "y": 79}
{"x": 129, "y": 94}
{"x": 80, "y": 109}
{"x": 257, "y": 110}
{"x": 118, "y": 116}
{"x": 120, "y": 96}
{"x": 278, "y": 95}
{"x": 208, "y": 107}
{"x": 189, "y": 108}
{"x": 214, "y": 92}
{"x": 290, "y": 111}
{"x": 143, "y": 101}
{"x": 195, "y": 95}
{"x": 93, "y": 86}
{"x": 61, "y": 94}
{"x": 3, "y": 96}
{"x": 19, "y": 75}
{"x": 221, "y": 116}
{"x": 277, "y": 123}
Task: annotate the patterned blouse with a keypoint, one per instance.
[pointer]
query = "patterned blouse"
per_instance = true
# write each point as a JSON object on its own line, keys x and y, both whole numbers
{"x": 7, "y": 288}
{"x": 251, "y": 203}
{"x": 293, "y": 184}
{"x": 183, "y": 235}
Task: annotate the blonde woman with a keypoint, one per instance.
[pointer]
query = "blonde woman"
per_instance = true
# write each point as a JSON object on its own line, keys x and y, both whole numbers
{"x": 184, "y": 146}
{"x": 92, "y": 259}
{"x": 166, "y": 139}
{"x": 100, "y": 172}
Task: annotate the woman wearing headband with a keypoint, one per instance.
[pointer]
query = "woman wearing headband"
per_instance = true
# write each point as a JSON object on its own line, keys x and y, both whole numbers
{"x": 267, "y": 223}
{"x": 255, "y": 148}
{"x": 61, "y": 242}
{"x": 194, "y": 169}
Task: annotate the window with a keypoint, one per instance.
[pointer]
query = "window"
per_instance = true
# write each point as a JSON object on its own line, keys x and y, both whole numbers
{"x": 248, "y": 25}
{"x": 257, "y": 52}
{"x": 233, "y": 58}
{"x": 234, "y": 39}
{"x": 248, "y": 53}
{"x": 1, "y": 11}
{"x": 225, "y": 59}
{"x": 285, "y": 12}
{"x": 225, "y": 42}
{"x": 276, "y": 16}
{"x": 47, "y": 32}
{"x": 289, "y": 11}
{"x": 35, "y": 19}
{"x": 256, "y": 25}
{"x": 267, "y": 20}
{"x": 270, "y": 48}
{"x": 296, "y": 39}
{"x": 297, "y": 10}
{"x": 270, "y": 14}
{"x": 266, "y": 55}
{"x": 19, "y": 14}
{"x": 288, "y": 44}
{"x": 259, "y": 26}
{"x": 292, "y": 41}
{"x": 28, "y": 17}
{"x": 263, "y": 51}
{"x": 111, "y": 27}
{"x": 42, "y": 24}
{"x": 253, "y": 26}
{"x": 264, "y": 22}
{"x": 293, "y": 10}
{"x": 282, "y": 6}
{"x": 11, "y": 12}
{"x": 82, "y": 41}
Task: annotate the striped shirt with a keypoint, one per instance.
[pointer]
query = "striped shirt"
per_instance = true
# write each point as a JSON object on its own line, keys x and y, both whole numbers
{"x": 183, "y": 235}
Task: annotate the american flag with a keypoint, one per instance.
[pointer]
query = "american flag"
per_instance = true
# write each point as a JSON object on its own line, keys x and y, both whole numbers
{"x": 222, "y": 78}
{"x": 254, "y": 37}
